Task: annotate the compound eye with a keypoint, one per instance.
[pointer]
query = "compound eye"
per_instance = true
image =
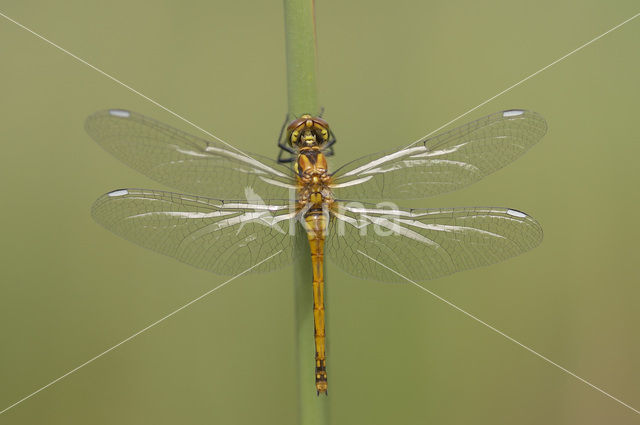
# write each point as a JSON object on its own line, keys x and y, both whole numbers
{"x": 322, "y": 122}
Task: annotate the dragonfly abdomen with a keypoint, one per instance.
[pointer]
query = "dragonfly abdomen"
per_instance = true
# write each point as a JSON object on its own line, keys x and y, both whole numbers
{"x": 315, "y": 226}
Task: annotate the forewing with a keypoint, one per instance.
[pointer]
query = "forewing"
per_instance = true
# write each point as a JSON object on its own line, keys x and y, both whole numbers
{"x": 185, "y": 162}
{"x": 442, "y": 163}
{"x": 426, "y": 244}
{"x": 224, "y": 237}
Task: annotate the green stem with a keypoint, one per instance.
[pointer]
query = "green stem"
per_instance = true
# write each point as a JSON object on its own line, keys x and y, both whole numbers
{"x": 302, "y": 96}
{"x": 300, "y": 35}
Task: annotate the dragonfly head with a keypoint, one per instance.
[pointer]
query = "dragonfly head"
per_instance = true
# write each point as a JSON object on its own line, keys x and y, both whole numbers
{"x": 308, "y": 131}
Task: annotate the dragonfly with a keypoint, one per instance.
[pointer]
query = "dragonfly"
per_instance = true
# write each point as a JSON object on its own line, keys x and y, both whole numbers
{"x": 239, "y": 208}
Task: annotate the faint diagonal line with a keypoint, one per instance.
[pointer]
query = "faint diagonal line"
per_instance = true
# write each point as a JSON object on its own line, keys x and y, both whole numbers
{"x": 112, "y": 78}
{"x": 524, "y": 79}
{"x": 546, "y": 359}
{"x": 137, "y": 333}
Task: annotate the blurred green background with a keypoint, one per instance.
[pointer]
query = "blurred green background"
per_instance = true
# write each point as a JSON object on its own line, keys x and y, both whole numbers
{"x": 389, "y": 72}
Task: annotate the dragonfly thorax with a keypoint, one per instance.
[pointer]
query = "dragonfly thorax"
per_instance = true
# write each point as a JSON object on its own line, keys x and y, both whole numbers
{"x": 311, "y": 166}
{"x": 313, "y": 178}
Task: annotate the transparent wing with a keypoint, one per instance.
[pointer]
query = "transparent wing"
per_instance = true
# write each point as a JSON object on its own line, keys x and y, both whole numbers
{"x": 224, "y": 237}
{"x": 426, "y": 244}
{"x": 185, "y": 162}
{"x": 442, "y": 163}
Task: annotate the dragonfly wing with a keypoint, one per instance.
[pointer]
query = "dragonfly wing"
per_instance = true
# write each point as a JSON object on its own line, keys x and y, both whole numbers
{"x": 442, "y": 163}
{"x": 426, "y": 244}
{"x": 185, "y": 162}
{"x": 224, "y": 237}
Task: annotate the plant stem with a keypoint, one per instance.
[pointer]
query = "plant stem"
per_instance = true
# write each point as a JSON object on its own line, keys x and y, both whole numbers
{"x": 302, "y": 97}
{"x": 300, "y": 35}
